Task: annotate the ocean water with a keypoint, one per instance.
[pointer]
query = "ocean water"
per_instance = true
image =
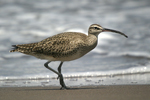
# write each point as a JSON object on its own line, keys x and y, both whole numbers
{"x": 115, "y": 61}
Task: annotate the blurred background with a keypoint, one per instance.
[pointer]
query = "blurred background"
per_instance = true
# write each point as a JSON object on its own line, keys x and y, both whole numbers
{"x": 115, "y": 60}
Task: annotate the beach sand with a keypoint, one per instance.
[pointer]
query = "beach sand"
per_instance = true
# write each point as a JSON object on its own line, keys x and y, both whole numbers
{"x": 113, "y": 92}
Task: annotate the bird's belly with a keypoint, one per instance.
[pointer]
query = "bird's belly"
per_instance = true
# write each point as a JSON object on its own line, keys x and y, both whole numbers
{"x": 68, "y": 57}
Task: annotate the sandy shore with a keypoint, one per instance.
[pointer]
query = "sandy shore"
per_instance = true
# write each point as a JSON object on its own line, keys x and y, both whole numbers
{"x": 129, "y": 92}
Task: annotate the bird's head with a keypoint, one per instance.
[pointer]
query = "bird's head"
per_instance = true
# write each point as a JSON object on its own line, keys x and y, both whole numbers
{"x": 96, "y": 29}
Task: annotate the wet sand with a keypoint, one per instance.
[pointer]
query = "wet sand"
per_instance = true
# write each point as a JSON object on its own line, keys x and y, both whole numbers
{"x": 116, "y": 92}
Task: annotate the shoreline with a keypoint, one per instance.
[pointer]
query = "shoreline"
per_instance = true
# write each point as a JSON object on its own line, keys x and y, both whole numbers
{"x": 138, "y": 79}
{"x": 112, "y": 92}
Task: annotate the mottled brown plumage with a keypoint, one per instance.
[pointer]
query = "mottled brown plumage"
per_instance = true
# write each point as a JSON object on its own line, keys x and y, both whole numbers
{"x": 65, "y": 46}
{"x": 61, "y": 47}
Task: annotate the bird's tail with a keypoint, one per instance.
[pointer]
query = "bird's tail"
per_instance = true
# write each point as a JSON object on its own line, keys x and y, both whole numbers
{"x": 14, "y": 47}
{"x": 23, "y": 48}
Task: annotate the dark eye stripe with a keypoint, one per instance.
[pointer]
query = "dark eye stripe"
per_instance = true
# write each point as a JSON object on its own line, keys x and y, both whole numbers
{"x": 96, "y": 28}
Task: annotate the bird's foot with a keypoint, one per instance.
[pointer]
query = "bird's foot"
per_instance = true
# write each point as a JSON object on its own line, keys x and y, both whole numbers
{"x": 62, "y": 83}
{"x": 64, "y": 88}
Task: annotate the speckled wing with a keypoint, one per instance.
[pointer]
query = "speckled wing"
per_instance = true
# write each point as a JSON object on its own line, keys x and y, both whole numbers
{"x": 60, "y": 45}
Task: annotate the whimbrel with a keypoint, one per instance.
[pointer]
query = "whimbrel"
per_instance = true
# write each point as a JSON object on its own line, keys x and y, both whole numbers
{"x": 62, "y": 47}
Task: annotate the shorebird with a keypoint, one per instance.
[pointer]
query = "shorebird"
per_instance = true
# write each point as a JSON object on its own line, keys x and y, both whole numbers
{"x": 62, "y": 47}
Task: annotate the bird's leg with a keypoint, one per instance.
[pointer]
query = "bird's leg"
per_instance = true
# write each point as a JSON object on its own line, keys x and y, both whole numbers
{"x": 59, "y": 69}
{"x": 46, "y": 65}
{"x": 60, "y": 76}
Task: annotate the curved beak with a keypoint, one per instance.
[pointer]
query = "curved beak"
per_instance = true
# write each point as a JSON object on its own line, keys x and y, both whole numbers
{"x": 111, "y": 30}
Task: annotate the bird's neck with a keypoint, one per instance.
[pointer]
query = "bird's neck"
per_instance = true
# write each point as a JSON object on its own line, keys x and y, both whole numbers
{"x": 89, "y": 43}
{"x": 92, "y": 40}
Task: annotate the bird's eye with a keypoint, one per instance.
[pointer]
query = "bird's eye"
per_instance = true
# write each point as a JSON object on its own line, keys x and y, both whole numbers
{"x": 96, "y": 28}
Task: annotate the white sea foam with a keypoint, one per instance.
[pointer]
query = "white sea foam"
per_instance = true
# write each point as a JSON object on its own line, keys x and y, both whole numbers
{"x": 26, "y": 16}
{"x": 133, "y": 54}
{"x": 76, "y": 30}
{"x": 130, "y": 76}
{"x": 35, "y": 33}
